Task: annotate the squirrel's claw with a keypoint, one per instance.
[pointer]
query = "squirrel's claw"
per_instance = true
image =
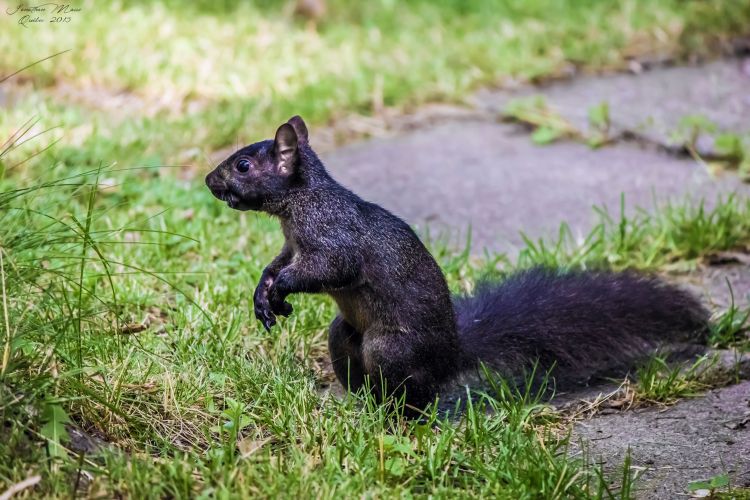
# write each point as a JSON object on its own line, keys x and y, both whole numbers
{"x": 267, "y": 320}
{"x": 263, "y": 309}
{"x": 265, "y": 316}
{"x": 268, "y": 323}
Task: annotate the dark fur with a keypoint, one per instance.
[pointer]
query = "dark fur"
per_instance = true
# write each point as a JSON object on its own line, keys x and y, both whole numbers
{"x": 397, "y": 318}
{"x": 584, "y": 324}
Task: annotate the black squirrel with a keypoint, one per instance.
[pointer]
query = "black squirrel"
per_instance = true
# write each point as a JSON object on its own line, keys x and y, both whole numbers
{"x": 399, "y": 325}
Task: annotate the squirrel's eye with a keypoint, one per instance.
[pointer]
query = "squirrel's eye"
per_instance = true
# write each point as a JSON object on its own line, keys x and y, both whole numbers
{"x": 243, "y": 165}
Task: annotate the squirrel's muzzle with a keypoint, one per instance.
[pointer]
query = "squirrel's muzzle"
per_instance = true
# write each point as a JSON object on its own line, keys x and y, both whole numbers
{"x": 221, "y": 190}
{"x": 216, "y": 184}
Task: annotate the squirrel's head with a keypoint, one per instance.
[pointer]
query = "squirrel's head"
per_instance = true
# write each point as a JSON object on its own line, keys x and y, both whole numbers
{"x": 261, "y": 172}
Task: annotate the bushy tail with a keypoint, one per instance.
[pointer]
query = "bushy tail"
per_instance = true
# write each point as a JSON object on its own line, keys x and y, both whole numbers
{"x": 585, "y": 324}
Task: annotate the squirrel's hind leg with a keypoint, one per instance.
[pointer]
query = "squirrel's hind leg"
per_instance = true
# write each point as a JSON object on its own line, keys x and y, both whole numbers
{"x": 394, "y": 361}
{"x": 345, "y": 348}
{"x": 399, "y": 363}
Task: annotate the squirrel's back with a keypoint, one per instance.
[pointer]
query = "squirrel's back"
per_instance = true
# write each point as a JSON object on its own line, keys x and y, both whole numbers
{"x": 585, "y": 324}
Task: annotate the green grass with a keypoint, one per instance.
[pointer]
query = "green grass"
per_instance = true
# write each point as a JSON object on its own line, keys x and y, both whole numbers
{"x": 730, "y": 328}
{"x": 180, "y": 401}
{"x": 255, "y": 51}
{"x": 232, "y": 70}
{"x": 675, "y": 237}
{"x": 203, "y": 401}
{"x": 733, "y": 494}
{"x": 659, "y": 382}
{"x": 126, "y": 286}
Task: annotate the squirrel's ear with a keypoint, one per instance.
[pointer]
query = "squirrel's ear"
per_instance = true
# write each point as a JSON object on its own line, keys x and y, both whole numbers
{"x": 299, "y": 126}
{"x": 285, "y": 148}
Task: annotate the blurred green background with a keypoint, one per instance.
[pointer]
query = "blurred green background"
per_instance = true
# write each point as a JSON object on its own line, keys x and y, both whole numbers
{"x": 168, "y": 81}
{"x": 131, "y": 365}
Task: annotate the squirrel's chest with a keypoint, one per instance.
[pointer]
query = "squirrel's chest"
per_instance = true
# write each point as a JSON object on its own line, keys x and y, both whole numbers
{"x": 355, "y": 307}
{"x": 291, "y": 239}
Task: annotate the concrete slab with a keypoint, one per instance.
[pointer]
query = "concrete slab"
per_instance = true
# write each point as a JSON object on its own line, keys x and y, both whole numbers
{"x": 491, "y": 177}
{"x": 695, "y": 439}
{"x": 720, "y": 285}
{"x": 653, "y": 102}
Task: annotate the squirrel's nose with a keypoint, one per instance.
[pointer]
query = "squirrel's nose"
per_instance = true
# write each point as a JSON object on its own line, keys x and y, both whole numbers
{"x": 215, "y": 182}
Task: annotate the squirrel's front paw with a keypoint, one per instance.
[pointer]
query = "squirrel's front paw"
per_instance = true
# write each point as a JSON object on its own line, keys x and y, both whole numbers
{"x": 278, "y": 304}
{"x": 263, "y": 310}
{"x": 265, "y": 315}
{"x": 282, "y": 308}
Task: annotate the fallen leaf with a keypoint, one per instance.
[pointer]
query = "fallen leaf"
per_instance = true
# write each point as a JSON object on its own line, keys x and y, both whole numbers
{"x": 249, "y": 446}
{"x": 132, "y": 328}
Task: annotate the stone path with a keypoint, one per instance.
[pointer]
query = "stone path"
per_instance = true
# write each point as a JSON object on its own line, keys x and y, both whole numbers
{"x": 652, "y": 103}
{"x": 467, "y": 168}
{"x": 669, "y": 447}
{"x": 493, "y": 178}
{"x": 711, "y": 283}
{"x": 696, "y": 439}
{"x": 488, "y": 175}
